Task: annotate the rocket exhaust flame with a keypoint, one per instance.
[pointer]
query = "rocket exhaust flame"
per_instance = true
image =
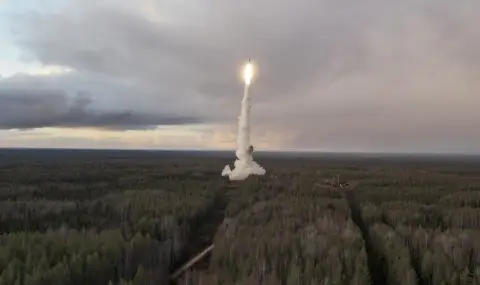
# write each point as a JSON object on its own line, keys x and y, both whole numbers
{"x": 244, "y": 165}
{"x": 248, "y": 73}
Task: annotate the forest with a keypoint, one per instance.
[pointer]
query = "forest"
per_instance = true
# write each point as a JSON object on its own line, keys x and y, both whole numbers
{"x": 134, "y": 217}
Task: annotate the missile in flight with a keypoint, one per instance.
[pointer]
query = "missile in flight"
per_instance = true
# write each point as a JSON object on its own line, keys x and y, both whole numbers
{"x": 248, "y": 73}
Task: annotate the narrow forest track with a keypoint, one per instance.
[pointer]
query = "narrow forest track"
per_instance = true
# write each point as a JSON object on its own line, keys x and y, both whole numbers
{"x": 202, "y": 235}
{"x": 375, "y": 264}
{"x": 191, "y": 263}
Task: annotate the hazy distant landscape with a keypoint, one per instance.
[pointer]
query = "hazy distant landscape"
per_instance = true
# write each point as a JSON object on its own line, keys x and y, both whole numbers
{"x": 133, "y": 217}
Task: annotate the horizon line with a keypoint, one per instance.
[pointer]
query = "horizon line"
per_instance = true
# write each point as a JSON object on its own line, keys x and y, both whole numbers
{"x": 259, "y": 151}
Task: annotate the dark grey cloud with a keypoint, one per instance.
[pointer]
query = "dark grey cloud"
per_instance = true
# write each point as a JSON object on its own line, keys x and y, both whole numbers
{"x": 33, "y": 108}
{"x": 368, "y": 75}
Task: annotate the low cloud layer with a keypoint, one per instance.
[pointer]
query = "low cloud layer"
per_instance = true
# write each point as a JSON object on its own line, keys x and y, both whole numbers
{"x": 340, "y": 75}
{"x": 32, "y": 108}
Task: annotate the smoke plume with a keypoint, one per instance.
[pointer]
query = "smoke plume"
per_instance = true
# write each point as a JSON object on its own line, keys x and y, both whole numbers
{"x": 244, "y": 165}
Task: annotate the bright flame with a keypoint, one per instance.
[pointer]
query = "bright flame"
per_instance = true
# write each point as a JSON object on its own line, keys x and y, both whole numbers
{"x": 248, "y": 73}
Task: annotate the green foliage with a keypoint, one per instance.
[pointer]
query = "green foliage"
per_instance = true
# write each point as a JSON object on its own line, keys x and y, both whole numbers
{"x": 130, "y": 218}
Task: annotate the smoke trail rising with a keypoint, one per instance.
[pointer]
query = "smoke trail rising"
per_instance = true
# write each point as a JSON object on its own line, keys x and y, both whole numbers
{"x": 244, "y": 165}
{"x": 243, "y": 137}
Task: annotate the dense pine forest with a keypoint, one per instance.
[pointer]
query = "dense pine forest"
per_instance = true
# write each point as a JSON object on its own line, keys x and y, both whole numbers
{"x": 134, "y": 217}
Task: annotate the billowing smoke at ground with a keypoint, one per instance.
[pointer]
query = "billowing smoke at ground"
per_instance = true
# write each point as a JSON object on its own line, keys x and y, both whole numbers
{"x": 244, "y": 165}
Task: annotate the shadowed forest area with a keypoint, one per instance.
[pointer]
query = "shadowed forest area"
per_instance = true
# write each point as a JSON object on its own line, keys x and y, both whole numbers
{"x": 133, "y": 217}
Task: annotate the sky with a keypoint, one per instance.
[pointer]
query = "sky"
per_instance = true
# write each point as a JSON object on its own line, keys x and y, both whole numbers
{"x": 354, "y": 76}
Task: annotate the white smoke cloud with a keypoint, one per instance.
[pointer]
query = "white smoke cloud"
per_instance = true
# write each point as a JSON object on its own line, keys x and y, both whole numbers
{"x": 244, "y": 166}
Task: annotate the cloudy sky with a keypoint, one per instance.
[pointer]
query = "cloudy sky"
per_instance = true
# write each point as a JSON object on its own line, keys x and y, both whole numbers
{"x": 372, "y": 75}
